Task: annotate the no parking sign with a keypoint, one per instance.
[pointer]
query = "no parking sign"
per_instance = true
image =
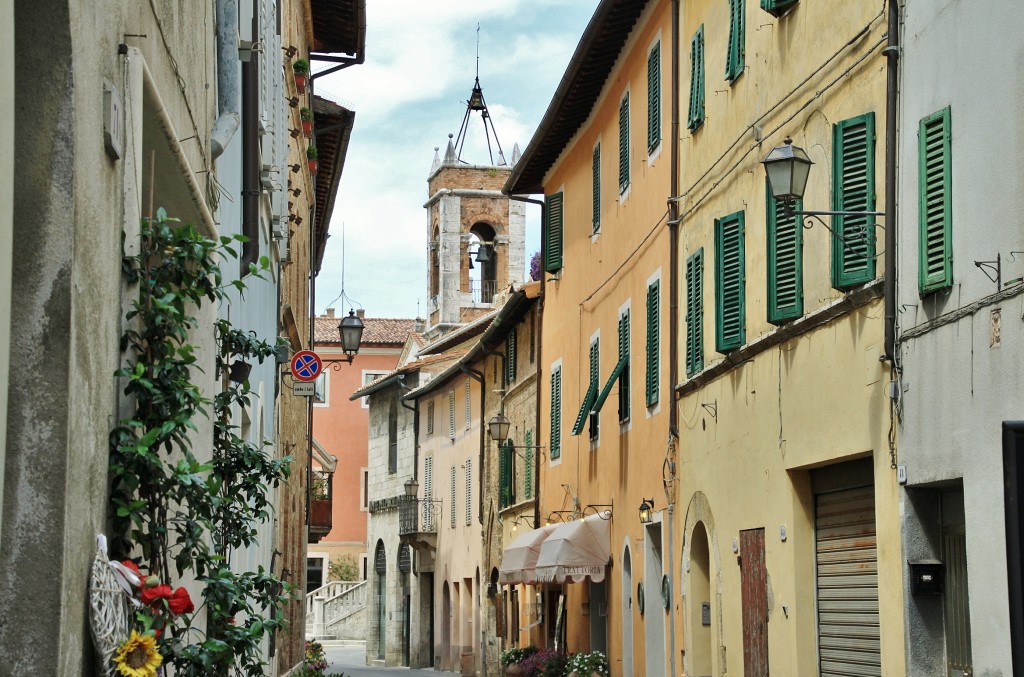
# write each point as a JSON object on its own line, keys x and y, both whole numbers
{"x": 306, "y": 366}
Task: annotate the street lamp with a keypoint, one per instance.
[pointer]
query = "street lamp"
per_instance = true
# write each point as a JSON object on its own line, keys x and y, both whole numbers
{"x": 787, "y": 168}
{"x": 412, "y": 487}
{"x": 498, "y": 427}
{"x": 646, "y": 507}
{"x": 351, "y": 330}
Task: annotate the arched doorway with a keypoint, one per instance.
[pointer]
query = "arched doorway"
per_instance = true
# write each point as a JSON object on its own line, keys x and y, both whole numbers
{"x": 699, "y": 603}
{"x": 627, "y": 613}
{"x": 380, "y": 561}
{"x": 446, "y": 626}
{"x": 483, "y": 263}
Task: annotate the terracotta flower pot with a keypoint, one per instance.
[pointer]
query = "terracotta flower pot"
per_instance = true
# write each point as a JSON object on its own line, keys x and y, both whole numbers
{"x": 307, "y": 128}
{"x": 312, "y": 166}
{"x": 300, "y": 83}
{"x": 513, "y": 669}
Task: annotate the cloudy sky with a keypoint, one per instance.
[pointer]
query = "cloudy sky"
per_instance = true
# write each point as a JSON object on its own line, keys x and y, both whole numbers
{"x": 408, "y": 96}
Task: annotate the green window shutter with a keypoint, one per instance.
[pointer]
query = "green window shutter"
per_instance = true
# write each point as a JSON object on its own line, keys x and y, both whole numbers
{"x": 853, "y": 189}
{"x": 730, "y": 282}
{"x": 935, "y": 216}
{"x": 695, "y": 313}
{"x": 623, "y": 370}
{"x": 553, "y": 233}
{"x": 624, "y": 143}
{"x": 556, "y": 413}
{"x": 505, "y": 472}
{"x": 510, "y": 357}
{"x": 653, "y": 342}
{"x": 528, "y": 465}
{"x": 785, "y": 261}
{"x": 695, "y": 117}
{"x": 777, "y": 7}
{"x": 734, "y": 58}
{"x": 595, "y": 368}
{"x": 597, "y": 187}
{"x": 654, "y": 97}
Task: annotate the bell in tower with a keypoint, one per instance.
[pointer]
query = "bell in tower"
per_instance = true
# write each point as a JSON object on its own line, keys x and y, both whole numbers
{"x": 476, "y": 235}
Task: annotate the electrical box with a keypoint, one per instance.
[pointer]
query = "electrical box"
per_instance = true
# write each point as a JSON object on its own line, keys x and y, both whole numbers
{"x": 705, "y": 613}
{"x": 926, "y": 576}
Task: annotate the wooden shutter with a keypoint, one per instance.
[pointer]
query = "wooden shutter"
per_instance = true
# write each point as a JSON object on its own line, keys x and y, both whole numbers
{"x": 428, "y": 493}
{"x": 528, "y": 465}
{"x": 654, "y": 97}
{"x": 623, "y": 367}
{"x": 553, "y": 233}
{"x": 505, "y": 474}
{"x": 754, "y": 598}
{"x": 849, "y": 635}
{"x": 695, "y": 313}
{"x": 777, "y": 7}
{"x": 597, "y": 187}
{"x": 935, "y": 217}
{"x": 734, "y": 58}
{"x": 853, "y": 176}
{"x": 730, "y": 306}
{"x": 556, "y": 413}
{"x": 510, "y": 356}
{"x": 469, "y": 491}
{"x": 695, "y": 117}
{"x": 595, "y": 369}
{"x": 785, "y": 261}
{"x": 430, "y": 417}
{"x": 451, "y": 517}
{"x": 624, "y": 143}
{"x": 653, "y": 341}
{"x": 469, "y": 405}
{"x": 451, "y": 414}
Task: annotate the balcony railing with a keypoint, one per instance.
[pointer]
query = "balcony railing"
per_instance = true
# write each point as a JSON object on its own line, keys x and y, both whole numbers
{"x": 483, "y": 291}
{"x": 418, "y": 516}
{"x": 320, "y": 504}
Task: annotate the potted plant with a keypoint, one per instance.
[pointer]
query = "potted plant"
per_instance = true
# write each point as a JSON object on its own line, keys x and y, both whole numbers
{"x": 311, "y": 156}
{"x": 588, "y": 664}
{"x": 511, "y": 659}
{"x": 300, "y": 68}
{"x": 307, "y": 121}
{"x": 545, "y": 663}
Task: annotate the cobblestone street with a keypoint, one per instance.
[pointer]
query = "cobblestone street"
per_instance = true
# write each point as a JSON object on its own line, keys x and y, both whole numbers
{"x": 350, "y": 660}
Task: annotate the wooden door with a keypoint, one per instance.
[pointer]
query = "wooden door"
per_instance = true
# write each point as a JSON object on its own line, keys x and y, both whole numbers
{"x": 754, "y": 582}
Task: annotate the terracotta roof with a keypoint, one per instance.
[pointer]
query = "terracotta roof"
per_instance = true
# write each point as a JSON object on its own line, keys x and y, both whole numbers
{"x": 333, "y": 128}
{"x": 339, "y": 26}
{"x": 437, "y": 361}
{"x": 581, "y": 84}
{"x": 376, "y": 330}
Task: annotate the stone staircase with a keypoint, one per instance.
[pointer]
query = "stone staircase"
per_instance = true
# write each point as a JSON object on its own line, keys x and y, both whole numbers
{"x": 337, "y": 611}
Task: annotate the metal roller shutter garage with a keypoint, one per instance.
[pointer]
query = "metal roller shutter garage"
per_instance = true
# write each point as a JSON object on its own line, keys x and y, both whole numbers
{"x": 849, "y": 640}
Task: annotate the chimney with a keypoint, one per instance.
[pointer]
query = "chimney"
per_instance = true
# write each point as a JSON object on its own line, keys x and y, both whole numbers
{"x": 330, "y": 312}
{"x": 419, "y": 325}
{"x": 361, "y": 313}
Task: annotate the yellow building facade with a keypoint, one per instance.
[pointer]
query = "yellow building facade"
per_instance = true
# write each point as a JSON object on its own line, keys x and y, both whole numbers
{"x": 790, "y": 548}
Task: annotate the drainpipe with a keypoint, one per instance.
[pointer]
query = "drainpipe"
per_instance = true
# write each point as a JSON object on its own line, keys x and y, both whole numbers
{"x": 538, "y": 336}
{"x": 892, "y": 54}
{"x": 227, "y": 77}
{"x": 673, "y": 313}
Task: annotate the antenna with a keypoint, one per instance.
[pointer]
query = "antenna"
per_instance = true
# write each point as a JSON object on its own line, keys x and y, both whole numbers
{"x": 478, "y": 51}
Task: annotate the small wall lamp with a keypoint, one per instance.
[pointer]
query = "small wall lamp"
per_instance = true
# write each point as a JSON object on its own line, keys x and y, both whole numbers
{"x": 646, "y": 510}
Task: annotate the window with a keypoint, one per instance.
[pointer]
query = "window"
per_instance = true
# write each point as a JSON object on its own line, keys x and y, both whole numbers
{"x": 469, "y": 491}
{"x": 505, "y": 472}
{"x": 428, "y": 493}
{"x": 451, "y": 414}
{"x": 695, "y": 117}
{"x": 695, "y": 313}
{"x": 734, "y": 58}
{"x": 556, "y": 412}
{"x": 364, "y": 488}
{"x": 368, "y": 378}
{"x": 730, "y": 307}
{"x": 620, "y": 373}
{"x": 597, "y": 186}
{"x": 853, "y": 189}
{"x": 510, "y": 356}
{"x": 469, "y": 406}
{"x": 624, "y": 143}
{"x": 785, "y": 260}
{"x": 320, "y": 390}
{"x": 393, "y": 436}
{"x": 935, "y": 218}
{"x": 553, "y": 233}
{"x": 430, "y": 417}
{"x": 777, "y": 7}
{"x": 451, "y": 516}
{"x": 591, "y": 395}
{"x": 528, "y": 464}
{"x": 653, "y": 341}
{"x": 654, "y": 98}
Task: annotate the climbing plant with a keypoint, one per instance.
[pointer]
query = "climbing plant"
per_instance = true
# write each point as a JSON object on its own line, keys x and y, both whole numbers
{"x": 183, "y": 502}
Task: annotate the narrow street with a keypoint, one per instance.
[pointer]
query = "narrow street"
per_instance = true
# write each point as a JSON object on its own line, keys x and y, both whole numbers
{"x": 350, "y": 660}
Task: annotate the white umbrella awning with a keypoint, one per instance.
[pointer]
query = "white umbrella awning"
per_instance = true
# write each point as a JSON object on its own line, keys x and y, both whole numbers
{"x": 575, "y": 550}
{"x": 520, "y": 557}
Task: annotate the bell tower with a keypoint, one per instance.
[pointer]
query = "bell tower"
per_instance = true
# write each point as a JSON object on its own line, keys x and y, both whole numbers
{"x": 476, "y": 236}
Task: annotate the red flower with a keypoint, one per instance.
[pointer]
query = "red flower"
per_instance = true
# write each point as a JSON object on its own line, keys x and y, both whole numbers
{"x": 180, "y": 602}
{"x": 158, "y": 592}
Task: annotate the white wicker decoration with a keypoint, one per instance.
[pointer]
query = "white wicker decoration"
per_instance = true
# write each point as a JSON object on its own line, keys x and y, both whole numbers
{"x": 110, "y": 606}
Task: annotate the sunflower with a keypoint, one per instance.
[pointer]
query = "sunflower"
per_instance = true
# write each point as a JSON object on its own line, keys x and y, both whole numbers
{"x": 138, "y": 657}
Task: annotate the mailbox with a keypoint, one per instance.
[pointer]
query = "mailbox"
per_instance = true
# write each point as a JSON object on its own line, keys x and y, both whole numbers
{"x": 926, "y": 576}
